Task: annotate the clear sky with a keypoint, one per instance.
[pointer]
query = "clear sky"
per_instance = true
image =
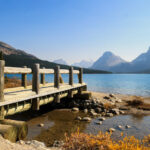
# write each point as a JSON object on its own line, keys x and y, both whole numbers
{"x": 76, "y": 29}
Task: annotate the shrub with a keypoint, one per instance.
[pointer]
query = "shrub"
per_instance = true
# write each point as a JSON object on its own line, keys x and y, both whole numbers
{"x": 136, "y": 101}
{"x": 103, "y": 141}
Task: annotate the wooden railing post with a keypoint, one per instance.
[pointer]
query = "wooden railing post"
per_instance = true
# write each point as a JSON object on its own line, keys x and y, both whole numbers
{"x": 43, "y": 77}
{"x": 80, "y": 76}
{"x": 2, "y": 65}
{"x": 56, "y": 77}
{"x": 24, "y": 79}
{"x": 71, "y": 76}
{"x": 35, "y": 79}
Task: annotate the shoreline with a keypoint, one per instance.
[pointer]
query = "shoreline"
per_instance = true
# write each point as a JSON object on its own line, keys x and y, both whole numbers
{"x": 98, "y": 96}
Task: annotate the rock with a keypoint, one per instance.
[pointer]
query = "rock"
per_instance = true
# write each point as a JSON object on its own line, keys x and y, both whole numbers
{"x": 120, "y": 127}
{"x": 58, "y": 143}
{"x": 91, "y": 110}
{"x": 121, "y": 112}
{"x": 115, "y": 111}
{"x": 21, "y": 142}
{"x": 78, "y": 118}
{"x": 41, "y": 125}
{"x": 98, "y": 110}
{"x": 86, "y": 119}
{"x": 36, "y": 143}
{"x": 127, "y": 126}
{"x": 85, "y": 110}
{"x": 112, "y": 95}
{"x": 106, "y": 97}
{"x": 102, "y": 119}
{"x": 112, "y": 130}
{"x": 123, "y": 108}
{"x": 75, "y": 109}
{"x": 99, "y": 123}
{"x": 118, "y": 100}
{"x": 109, "y": 115}
{"x": 93, "y": 114}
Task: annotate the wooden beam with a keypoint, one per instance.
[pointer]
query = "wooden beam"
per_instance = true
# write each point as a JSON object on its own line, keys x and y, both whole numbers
{"x": 57, "y": 98}
{"x": 2, "y": 80}
{"x": 80, "y": 76}
{"x": 17, "y": 70}
{"x": 56, "y": 77}
{"x": 24, "y": 79}
{"x": 36, "y": 104}
{"x": 71, "y": 76}
{"x": 35, "y": 79}
{"x": 2, "y": 110}
{"x": 43, "y": 78}
{"x": 62, "y": 71}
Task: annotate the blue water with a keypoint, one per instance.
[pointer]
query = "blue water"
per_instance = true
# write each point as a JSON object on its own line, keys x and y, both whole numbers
{"x": 131, "y": 84}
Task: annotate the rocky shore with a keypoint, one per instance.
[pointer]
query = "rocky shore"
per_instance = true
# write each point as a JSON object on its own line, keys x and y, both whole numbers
{"x": 100, "y": 106}
{"x": 22, "y": 145}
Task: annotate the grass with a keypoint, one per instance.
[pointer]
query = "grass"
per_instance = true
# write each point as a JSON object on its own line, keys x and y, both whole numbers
{"x": 13, "y": 82}
{"x": 103, "y": 141}
{"x": 108, "y": 106}
{"x": 138, "y": 102}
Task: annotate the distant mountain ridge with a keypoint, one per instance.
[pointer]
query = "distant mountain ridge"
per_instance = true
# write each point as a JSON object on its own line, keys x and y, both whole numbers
{"x": 19, "y": 58}
{"x": 84, "y": 64}
{"x": 60, "y": 61}
{"x": 107, "y": 61}
{"x": 111, "y": 62}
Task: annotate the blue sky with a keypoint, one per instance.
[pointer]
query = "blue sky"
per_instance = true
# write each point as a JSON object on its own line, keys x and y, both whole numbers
{"x": 76, "y": 29}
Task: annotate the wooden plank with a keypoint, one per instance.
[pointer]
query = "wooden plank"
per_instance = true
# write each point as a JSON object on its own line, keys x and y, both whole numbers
{"x": 17, "y": 70}
{"x": 49, "y": 92}
{"x": 2, "y": 64}
{"x": 46, "y": 71}
{"x": 62, "y": 71}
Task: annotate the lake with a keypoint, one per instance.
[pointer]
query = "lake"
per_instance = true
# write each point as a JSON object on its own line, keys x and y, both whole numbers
{"x": 130, "y": 84}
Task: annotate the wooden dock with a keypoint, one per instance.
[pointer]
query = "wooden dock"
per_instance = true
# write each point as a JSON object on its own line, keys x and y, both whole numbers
{"x": 15, "y": 100}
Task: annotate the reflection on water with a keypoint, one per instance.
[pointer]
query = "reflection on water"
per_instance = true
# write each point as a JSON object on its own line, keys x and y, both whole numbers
{"x": 59, "y": 122}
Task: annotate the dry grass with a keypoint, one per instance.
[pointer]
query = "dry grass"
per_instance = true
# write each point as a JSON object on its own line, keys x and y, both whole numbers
{"x": 13, "y": 82}
{"x": 108, "y": 106}
{"x": 103, "y": 141}
{"x": 136, "y": 101}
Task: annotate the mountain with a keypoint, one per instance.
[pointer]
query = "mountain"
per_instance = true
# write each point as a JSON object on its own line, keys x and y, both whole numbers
{"x": 84, "y": 64}
{"x": 142, "y": 62}
{"x": 113, "y": 63}
{"x": 60, "y": 61}
{"x": 107, "y": 61}
{"x": 19, "y": 58}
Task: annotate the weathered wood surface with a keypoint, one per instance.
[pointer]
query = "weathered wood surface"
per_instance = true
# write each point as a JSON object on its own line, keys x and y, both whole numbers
{"x": 17, "y": 70}
{"x": 22, "y": 94}
{"x": 2, "y": 64}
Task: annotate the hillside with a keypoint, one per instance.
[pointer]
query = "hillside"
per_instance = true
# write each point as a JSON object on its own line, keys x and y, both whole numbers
{"x": 18, "y": 58}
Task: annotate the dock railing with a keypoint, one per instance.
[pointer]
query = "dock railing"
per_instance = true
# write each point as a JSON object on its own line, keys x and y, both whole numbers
{"x": 38, "y": 76}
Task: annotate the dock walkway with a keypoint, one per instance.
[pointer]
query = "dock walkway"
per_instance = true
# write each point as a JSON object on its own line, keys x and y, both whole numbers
{"x": 15, "y": 100}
